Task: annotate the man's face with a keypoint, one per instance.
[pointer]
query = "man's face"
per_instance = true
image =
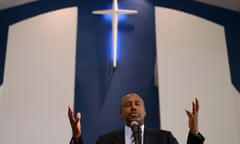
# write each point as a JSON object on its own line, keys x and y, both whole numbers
{"x": 132, "y": 109}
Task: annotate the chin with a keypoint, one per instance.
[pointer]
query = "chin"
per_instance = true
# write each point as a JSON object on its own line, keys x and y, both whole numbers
{"x": 135, "y": 119}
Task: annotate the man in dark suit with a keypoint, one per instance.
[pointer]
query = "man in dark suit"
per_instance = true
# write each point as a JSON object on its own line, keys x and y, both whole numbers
{"x": 132, "y": 111}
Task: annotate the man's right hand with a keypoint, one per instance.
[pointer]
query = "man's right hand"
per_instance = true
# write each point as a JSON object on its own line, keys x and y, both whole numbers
{"x": 75, "y": 124}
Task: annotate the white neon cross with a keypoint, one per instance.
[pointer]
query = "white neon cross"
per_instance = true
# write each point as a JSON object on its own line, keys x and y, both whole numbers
{"x": 114, "y": 12}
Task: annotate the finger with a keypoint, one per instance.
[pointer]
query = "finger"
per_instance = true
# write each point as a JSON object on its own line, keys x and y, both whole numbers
{"x": 69, "y": 111}
{"x": 188, "y": 114}
{"x": 193, "y": 107}
{"x": 197, "y": 104}
{"x": 78, "y": 116}
{"x": 70, "y": 114}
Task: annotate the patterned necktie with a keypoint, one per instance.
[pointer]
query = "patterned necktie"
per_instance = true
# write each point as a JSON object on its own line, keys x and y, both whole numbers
{"x": 136, "y": 135}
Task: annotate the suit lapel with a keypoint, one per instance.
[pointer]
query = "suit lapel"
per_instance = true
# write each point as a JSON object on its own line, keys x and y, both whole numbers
{"x": 147, "y": 137}
{"x": 119, "y": 137}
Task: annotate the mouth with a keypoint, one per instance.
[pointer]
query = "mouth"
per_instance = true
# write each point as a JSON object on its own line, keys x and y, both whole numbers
{"x": 134, "y": 115}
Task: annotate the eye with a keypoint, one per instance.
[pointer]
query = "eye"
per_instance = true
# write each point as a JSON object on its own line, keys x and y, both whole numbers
{"x": 127, "y": 104}
{"x": 138, "y": 103}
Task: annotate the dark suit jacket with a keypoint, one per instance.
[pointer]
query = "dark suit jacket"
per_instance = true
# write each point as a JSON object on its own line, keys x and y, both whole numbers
{"x": 151, "y": 136}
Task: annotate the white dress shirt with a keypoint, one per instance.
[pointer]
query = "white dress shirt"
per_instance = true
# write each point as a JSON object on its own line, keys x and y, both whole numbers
{"x": 128, "y": 134}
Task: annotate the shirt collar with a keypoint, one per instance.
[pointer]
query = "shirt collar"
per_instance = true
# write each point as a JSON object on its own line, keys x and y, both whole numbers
{"x": 128, "y": 130}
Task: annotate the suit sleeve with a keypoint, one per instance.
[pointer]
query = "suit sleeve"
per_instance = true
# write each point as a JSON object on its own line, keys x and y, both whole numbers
{"x": 80, "y": 141}
{"x": 195, "y": 138}
{"x": 172, "y": 139}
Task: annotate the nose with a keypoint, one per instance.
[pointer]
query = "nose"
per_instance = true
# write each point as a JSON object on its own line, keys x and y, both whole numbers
{"x": 133, "y": 107}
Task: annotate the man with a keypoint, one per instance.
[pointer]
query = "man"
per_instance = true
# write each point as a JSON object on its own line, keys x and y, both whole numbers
{"x": 132, "y": 109}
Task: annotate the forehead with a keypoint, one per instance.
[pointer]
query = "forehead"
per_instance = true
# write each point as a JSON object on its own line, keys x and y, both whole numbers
{"x": 131, "y": 97}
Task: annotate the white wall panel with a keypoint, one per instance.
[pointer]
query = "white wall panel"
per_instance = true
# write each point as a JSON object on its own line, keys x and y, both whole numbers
{"x": 39, "y": 79}
{"x": 192, "y": 61}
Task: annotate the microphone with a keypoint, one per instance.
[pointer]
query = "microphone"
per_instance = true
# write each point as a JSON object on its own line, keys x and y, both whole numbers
{"x": 134, "y": 126}
{"x": 136, "y": 131}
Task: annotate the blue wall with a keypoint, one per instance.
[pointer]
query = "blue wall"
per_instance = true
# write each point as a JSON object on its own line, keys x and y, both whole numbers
{"x": 99, "y": 87}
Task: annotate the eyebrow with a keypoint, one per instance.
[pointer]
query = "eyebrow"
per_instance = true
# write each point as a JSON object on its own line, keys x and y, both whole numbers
{"x": 127, "y": 101}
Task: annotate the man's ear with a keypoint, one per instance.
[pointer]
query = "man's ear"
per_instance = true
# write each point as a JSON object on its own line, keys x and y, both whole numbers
{"x": 120, "y": 115}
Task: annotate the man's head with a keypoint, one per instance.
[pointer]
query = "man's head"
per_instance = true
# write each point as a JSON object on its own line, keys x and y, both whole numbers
{"x": 132, "y": 109}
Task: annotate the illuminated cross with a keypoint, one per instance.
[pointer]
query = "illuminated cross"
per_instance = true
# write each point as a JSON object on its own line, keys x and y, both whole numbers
{"x": 114, "y": 12}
